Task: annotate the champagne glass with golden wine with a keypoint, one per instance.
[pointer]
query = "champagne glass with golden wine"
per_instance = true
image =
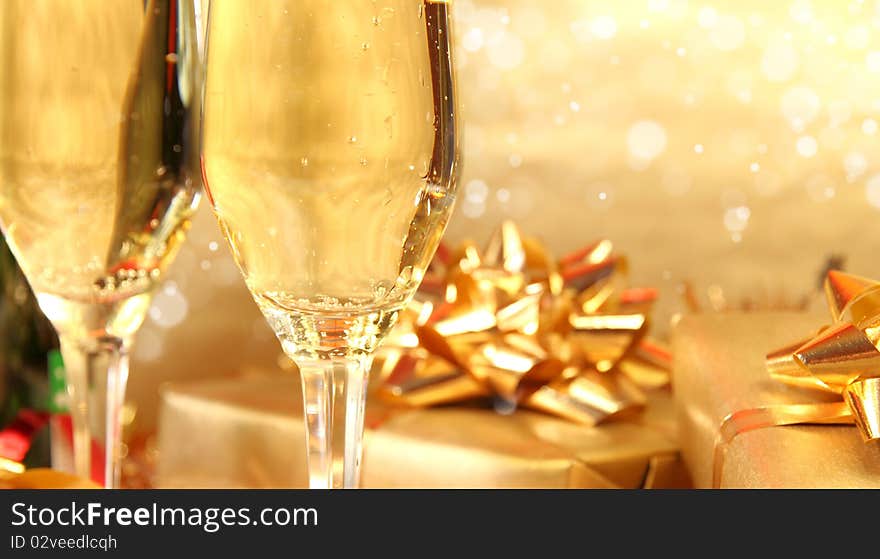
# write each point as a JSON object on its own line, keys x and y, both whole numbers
{"x": 98, "y": 179}
{"x": 329, "y": 155}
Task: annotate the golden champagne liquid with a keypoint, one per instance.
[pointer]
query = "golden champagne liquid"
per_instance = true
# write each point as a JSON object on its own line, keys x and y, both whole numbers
{"x": 95, "y": 187}
{"x": 329, "y": 155}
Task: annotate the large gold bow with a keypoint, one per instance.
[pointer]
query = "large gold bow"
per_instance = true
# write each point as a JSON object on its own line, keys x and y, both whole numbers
{"x": 511, "y": 323}
{"x": 844, "y": 357}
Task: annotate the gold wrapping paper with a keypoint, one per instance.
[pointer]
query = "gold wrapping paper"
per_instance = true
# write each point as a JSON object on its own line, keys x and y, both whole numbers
{"x": 43, "y": 478}
{"x": 249, "y": 432}
{"x": 719, "y": 369}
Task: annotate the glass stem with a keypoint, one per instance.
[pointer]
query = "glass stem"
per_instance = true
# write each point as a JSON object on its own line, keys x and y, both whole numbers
{"x": 96, "y": 370}
{"x": 334, "y": 394}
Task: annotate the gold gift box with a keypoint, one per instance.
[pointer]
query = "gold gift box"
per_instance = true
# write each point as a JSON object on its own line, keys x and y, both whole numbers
{"x": 248, "y": 432}
{"x": 720, "y": 369}
{"x": 43, "y": 478}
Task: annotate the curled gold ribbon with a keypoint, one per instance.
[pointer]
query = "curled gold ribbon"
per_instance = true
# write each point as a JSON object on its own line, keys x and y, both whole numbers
{"x": 842, "y": 359}
{"x": 512, "y": 324}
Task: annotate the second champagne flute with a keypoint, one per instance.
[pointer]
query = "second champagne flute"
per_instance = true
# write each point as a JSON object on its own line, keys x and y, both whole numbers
{"x": 98, "y": 181}
{"x": 329, "y": 152}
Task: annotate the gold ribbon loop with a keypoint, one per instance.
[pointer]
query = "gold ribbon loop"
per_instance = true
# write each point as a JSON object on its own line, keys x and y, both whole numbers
{"x": 863, "y": 399}
{"x": 838, "y": 355}
{"x": 647, "y": 364}
{"x": 743, "y": 421}
{"x": 589, "y": 398}
{"x": 851, "y": 297}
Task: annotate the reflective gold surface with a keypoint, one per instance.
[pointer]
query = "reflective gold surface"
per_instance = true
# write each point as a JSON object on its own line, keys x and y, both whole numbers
{"x": 720, "y": 369}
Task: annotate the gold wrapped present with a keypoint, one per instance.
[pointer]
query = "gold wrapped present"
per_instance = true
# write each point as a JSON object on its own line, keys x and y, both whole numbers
{"x": 43, "y": 478}
{"x": 249, "y": 432}
{"x": 721, "y": 381}
{"x": 508, "y": 326}
{"x": 842, "y": 358}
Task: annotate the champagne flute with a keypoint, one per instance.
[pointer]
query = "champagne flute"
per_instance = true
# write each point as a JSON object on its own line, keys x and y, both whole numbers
{"x": 96, "y": 182}
{"x": 329, "y": 155}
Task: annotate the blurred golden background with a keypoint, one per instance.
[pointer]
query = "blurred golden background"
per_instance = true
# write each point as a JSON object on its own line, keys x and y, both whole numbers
{"x": 728, "y": 144}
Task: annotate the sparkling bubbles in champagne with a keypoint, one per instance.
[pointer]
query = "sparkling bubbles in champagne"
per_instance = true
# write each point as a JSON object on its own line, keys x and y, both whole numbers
{"x": 330, "y": 159}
